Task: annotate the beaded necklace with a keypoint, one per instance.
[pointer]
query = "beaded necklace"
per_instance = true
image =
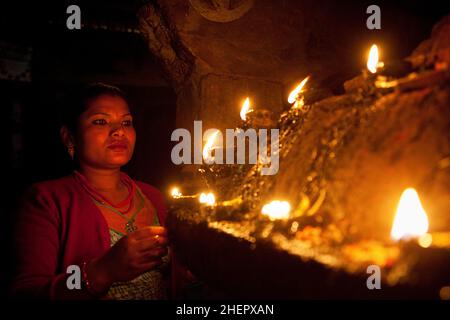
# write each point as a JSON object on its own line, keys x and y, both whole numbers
{"x": 102, "y": 201}
{"x": 130, "y": 224}
{"x": 125, "y": 179}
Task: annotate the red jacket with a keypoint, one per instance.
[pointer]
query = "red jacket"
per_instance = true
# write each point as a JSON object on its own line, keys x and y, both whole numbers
{"x": 59, "y": 225}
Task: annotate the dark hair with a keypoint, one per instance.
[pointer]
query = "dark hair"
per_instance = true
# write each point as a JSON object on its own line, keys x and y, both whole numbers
{"x": 77, "y": 102}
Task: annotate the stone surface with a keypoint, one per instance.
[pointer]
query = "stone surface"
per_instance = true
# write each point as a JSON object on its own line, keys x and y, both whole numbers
{"x": 365, "y": 155}
{"x": 278, "y": 42}
{"x": 352, "y": 155}
{"x": 345, "y": 161}
{"x": 223, "y": 96}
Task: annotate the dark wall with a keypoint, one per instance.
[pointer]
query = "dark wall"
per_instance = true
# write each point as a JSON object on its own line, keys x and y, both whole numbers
{"x": 286, "y": 40}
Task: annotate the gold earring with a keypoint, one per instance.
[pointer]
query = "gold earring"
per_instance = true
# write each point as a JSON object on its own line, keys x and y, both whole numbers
{"x": 71, "y": 150}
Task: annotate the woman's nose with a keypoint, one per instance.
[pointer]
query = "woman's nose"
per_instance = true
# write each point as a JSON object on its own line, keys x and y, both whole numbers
{"x": 117, "y": 130}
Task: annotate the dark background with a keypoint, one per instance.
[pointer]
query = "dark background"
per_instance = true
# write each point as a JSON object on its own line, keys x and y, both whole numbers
{"x": 109, "y": 49}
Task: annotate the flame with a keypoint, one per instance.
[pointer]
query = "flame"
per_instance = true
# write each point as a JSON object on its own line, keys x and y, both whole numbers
{"x": 209, "y": 146}
{"x": 245, "y": 109}
{"x": 276, "y": 210}
{"x": 293, "y": 96}
{"x": 372, "y": 61}
{"x": 207, "y": 198}
{"x": 175, "y": 192}
{"x": 411, "y": 220}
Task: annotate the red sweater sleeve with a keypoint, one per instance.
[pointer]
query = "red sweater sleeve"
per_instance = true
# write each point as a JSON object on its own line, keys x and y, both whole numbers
{"x": 37, "y": 246}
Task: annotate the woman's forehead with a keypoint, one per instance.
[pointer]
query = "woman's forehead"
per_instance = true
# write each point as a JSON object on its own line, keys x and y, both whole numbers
{"x": 107, "y": 104}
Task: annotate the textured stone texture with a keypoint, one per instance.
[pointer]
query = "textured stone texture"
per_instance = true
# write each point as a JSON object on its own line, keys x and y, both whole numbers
{"x": 354, "y": 153}
{"x": 349, "y": 158}
{"x": 436, "y": 49}
{"x": 276, "y": 41}
{"x": 223, "y": 95}
{"x": 381, "y": 148}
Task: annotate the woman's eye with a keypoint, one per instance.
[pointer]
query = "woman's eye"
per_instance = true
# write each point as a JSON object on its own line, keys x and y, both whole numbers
{"x": 101, "y": 122}
{"x": 127, "y": 123}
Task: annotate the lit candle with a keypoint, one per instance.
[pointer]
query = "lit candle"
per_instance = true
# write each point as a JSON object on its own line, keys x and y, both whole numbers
{"x": 175, "y": 193}
{"x": 276, "y": 210}
{"x": 411, "y": 223}
{"x": 294, "y": 97}
{"x": 246, "y": 109}
{"x": 207, "y": 199}
{"x": 207, "y": 203}
{"x": 411, "y": 220}
{"x": 365, "y": 82}
{"x": 179, "y": 199}
{"x": 373, "y": 62}
{"x": 209, "y": 147}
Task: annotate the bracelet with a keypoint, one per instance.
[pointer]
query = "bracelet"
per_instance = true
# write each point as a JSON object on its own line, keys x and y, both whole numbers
{"x": 88, "y": 284}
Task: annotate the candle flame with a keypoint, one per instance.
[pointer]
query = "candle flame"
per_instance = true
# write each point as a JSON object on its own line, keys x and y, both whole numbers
{"x": 410, "y": 220}
{"x": 245, "y": 109}
{"x": 207, "y": 198}
{"x": 209, "y": 146}
{"x": 175, "y": 192}
{"x": 372, "y": 61}
{"x": 293, "y": 96}
{"x": 276, "y": 210}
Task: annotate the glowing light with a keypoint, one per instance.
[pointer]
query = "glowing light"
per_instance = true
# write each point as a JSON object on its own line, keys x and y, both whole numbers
{"x": 276, "y": 210}
{"x": 373, "y": 60}
{"x": 410, "y": 220}
{"x": 425, "y": 241}
{"x": 245, "y": 109}
{"x": 209, "y": 147}
{"x": 175, "y": 192}
{"x": 293, "y": 96}
{"x": 207, "y": 198}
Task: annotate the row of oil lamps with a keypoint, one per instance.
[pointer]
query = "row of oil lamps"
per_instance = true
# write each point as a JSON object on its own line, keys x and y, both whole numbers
{"x": 410, "y": 222}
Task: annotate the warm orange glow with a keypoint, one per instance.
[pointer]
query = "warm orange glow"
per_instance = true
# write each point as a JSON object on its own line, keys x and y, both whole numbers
{"x": 373, "y": 61}
{"x": 425, "y": 241}
{"x": 175, "y": 192}
{"x": 245, "y": 109}
{"x": 293, "y": 96}
{"x": 207, "y": 198}
{"x": 410, "y": 220}
{"x": 209, "y": 146}
{"x": 276, "y": 210}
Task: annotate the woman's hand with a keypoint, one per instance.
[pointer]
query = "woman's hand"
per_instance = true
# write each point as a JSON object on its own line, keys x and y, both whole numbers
{"x": 132, "y": 255}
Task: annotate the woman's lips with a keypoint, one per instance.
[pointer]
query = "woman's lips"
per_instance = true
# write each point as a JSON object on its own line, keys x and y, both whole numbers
{"x": 118, "y": 146}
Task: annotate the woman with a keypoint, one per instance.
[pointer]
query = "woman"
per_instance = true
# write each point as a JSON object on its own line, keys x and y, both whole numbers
{"x": 97, "y": 219}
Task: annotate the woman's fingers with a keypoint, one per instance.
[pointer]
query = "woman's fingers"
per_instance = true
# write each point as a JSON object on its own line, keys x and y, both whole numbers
{"x": 151, "y": 265}
{"x": 157, "y": 252}
{"x": 155, "y": 255}
{"x": 154, "y": 242}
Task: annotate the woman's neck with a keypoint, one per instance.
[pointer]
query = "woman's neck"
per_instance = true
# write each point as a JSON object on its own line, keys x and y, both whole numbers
{"x": 102, "y": 179}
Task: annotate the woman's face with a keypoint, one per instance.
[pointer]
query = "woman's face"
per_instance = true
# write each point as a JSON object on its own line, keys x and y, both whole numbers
{"x": 105, "y": 136}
